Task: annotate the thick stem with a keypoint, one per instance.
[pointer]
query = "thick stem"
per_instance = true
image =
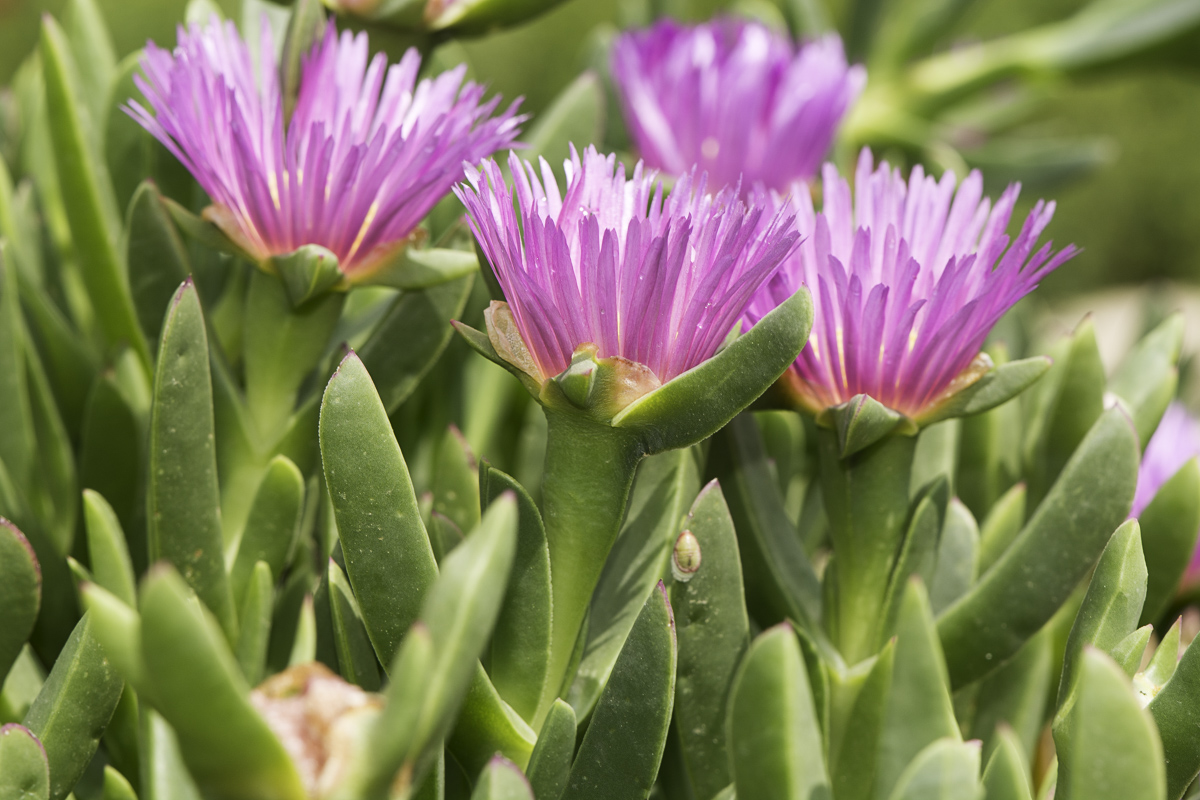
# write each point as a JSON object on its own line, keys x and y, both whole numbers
{"x": 589, "y": 470}
{"x": 866, "y": 499}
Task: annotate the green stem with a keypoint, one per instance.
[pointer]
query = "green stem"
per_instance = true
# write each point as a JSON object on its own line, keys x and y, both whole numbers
{"x": 589, "y": 471}
{"x": 866, "y": 499}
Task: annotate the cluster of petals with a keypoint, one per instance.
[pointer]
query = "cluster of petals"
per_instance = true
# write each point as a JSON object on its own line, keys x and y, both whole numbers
{"x": 908, "y": 278}
{"x": 733, "y": 97}
{"x": 367, "y": 153}
{"x": 610, "y": 262}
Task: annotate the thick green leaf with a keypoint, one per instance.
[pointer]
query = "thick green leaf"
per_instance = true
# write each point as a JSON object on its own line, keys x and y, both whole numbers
{"x": 919, "y": 710}
{"x": 957, "y": 557}
{"x": 53, "y": 491}
{"x": 118, "y": 629}
{"x": 20, "y": 593}
{"x": 455, "y": 482}
{"x": 1177, "y": 715}
{"x": 713, "y": 633}
{"x": 388, "y": 558}
{"x": 88, "y": 195}
{"x": 1006, "y": 776}
{"x": 859, "y": 703}
{"x": 701, "y": 401}
{"x": 997, "y": 386}
{"x": 502, "y": 780}
{"x": 520, "y": 648}
{"x": 17, "y": 441}
{"x": 1115, "y": 747}
{"x": 1020, "y": 593}
{"x": 93, "y": 51}
{"x": 487, "y": 725}
{"x": 200, "y": 691}
{"x": 1169, "y": 527}
{"x": 356, "y": 659}
{"x": 1001, "y": 526}
{"x": 663, "y": 491}
{"x": 107, "y": 551}
{"x": 550, "y": 763}
{"x": 1129, "y": 651}
{"x": 989, "y": 451}
{"x": 1149, "y": 375}
{"x": 254, "y": 631}
{"x": 482, "y": 15}
{"x": 420, "y": 319}
{"x": 304, "y": 641}
{"x": 272, "y": 527}
{"x": 184, "y": 516}
{"x": 73, "y": 708}
{"x": 945, "y": 770}
{"x": 576, "y": 117}
{"x": 156, "y": 255}
{"x": 623, "y": 746}
{"x": 780, "y": 581}
{"x": 775, "y": 747}
{"x": 116, "y": 787}
{"x": 165, "y": 777}
{"x": 1063, "y": 409}
{"x": 24, "y": 772}
{"x": 1166, "y": 657}
{"x": 918, "y": 552}
{"x": 1015, "y": 696}
{"x": 421, "y": 269}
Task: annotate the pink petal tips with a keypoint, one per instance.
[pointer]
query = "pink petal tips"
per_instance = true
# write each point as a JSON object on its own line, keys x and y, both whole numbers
{"x": 908, "y": 278}
{"x": 366, "y": 155}
{"x": 734, "y": 97}
{"x": 612, "y": 263}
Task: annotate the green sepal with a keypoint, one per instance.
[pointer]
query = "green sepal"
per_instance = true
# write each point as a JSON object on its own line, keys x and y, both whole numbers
{"x": 521, "y": 642}
{"x": 996, "y": 386}
{"x": 1006, "y": 776}
{"x": 20, "y": 593}
{"x": 24, "y": 770}
{"x": 199, "y": 689}
{"x": 623, "y": 747}
{"x": 862, "y": 421}
{"x": 502, "y": 780}
{"x": 478, "y": 16}
{"x": 1149, "y": 375}
{"x": 1115, "y": 749}
{"x": 307, "y": 272}
{"x": 1170, "y": 523}
{"x": 73, "y": 707}
{"x": 480, "y": 343}
{"x": 184, "y": 507}
{"x": 107, "y": 550}
{"x": 919, "y": 711}
{"x": 713, "y": 632}
{"x": 389, "y": 560}
{"x": 414, "y": 268}
{"x": 1176, "y": 716}
{"x": 1054, "y": 551}
{"x": 947, "y": 769}
{"x": 550, "y": 763}
{"x": 775, "y": 746}
{"x": 701, "y": 401}
{"x": 254, "y": 618}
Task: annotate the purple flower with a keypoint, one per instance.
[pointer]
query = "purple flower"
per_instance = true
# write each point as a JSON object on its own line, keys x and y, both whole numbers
{"x": 611, "y": 263}
{"x": 357, "y": 169}
{"x": 1176, "y": 441}
{"x": 907, "y": 279}
{"x": 734, "y": 97}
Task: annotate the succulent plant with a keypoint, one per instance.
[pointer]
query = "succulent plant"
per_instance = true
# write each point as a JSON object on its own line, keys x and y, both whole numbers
{"x": 271, "y": 533}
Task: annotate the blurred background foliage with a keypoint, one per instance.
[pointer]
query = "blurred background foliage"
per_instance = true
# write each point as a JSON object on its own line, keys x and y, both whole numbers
{"x": 1133, "y": 206}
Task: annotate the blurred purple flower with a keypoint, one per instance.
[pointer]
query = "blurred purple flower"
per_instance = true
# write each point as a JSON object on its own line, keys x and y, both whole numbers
{"x": 1176, "y": 441}
{"x": 908, "y": 279}
{"x": 356, "y": 171}
{"x": 734, "y": 97}
{"x": 659, "y": 282}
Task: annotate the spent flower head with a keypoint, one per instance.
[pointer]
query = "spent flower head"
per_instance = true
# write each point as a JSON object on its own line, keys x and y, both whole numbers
{"x": 367, "y": 153}
{"x": 734, "y": 97}
{"x": 908, "y": 278}
{"x": 613, "y": 267}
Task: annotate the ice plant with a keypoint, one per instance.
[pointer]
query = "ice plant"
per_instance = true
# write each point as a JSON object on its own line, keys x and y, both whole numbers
{"x": 367, "y": 153}
{"x": 908, "y": 278}
{"x": 734, "y": 97}
{"x": 1175, "y": 443}
{"x": 618, "y": 299}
